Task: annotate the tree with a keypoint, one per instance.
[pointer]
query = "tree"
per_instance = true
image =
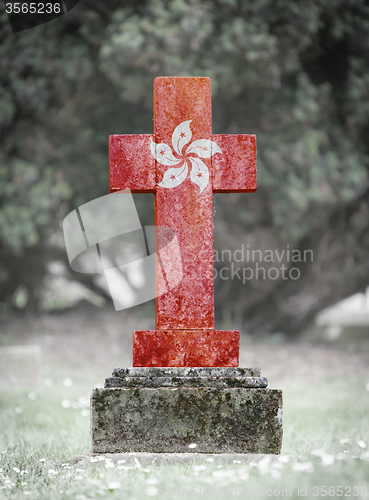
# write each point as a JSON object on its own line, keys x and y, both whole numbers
{"x": 57, "y": 110}
{"x": 294, "y": 73}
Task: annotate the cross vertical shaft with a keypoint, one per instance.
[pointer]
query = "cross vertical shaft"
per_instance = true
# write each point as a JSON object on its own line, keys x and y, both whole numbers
{"x": 183, "y": 208}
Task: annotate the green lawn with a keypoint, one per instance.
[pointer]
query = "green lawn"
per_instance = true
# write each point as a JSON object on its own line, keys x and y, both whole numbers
{"x": 38, "y": 435}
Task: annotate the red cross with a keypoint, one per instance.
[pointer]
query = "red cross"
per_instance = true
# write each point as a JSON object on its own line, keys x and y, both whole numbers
{"x": 185, "y": 334}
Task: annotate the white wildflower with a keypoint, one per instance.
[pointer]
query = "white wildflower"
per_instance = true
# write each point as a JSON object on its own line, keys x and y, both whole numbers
{"x": 264, "y": 464}
{"x": 303, "y": 467}
{"x": 152, "y": 491}
{"x": 327, "y": 460}
{"x": 67, "y": 382}
{"x": 113, "y": 485}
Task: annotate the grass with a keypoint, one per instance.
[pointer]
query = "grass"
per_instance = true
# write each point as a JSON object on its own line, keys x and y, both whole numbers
{"x": 327, "y": 425}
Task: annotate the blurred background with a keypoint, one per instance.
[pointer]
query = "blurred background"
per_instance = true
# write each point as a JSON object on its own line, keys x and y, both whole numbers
{"x": 296, "y": 74}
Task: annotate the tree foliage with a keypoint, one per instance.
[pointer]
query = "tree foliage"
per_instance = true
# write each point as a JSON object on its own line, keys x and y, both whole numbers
{"x": 294, "y": 73}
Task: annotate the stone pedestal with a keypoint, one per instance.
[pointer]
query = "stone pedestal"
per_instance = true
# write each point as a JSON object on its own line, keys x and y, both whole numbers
{"x": 179, "y": 348}
{"x": 158, "y": 410}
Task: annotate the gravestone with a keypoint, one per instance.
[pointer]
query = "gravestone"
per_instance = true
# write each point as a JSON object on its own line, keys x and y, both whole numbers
{"x": 185, "y": 386}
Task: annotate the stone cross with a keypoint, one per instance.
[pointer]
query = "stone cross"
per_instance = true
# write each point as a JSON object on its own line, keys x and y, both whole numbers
{"x": 183, "y": 164}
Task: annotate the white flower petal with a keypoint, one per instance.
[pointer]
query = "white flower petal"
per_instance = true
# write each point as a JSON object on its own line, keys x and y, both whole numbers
{"x": 151, "y": 491}
{"x": 203, "y": 148}
{"x": 114, "y": 485}
{"x": 327, "y": 460}
{"x": 181, "y": 136}
{"x": 163, "y": 154}
{"x": 174, "y": 176}
{"x": 199, "y": 173}
{"x": 303, "y": 466}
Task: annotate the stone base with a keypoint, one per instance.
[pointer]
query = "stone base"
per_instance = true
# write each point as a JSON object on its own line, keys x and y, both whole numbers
{"x": 186, "y": 348}
{"x": 165, "y": 410}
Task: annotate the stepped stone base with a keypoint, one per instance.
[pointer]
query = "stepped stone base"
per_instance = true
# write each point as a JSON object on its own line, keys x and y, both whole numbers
{"x": 165, "y": 410}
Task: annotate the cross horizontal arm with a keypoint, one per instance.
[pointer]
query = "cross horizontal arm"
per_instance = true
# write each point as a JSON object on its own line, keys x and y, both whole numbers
{"x": 132, "y": 166}
{"x": 234, "y": 171}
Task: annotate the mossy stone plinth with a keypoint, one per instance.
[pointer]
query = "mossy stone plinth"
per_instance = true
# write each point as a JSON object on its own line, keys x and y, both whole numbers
{"x": 168, "y": 419}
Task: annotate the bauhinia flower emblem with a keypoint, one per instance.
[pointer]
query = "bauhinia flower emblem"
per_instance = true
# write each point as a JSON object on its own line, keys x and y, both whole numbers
{"x": 203, "y": 148}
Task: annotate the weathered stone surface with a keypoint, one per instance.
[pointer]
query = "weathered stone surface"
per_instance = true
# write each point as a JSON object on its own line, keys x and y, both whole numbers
{"x": 185, "y": 208}
{"x": 255, "y": 382}
{"x": 156, "y": 420}
{"x": 186, "y": 372}
{"x": 186, "y": 377}
{"x": 237, "y": 150}
{"x": 132, "y": 152}
{"x": 212, "y": 348}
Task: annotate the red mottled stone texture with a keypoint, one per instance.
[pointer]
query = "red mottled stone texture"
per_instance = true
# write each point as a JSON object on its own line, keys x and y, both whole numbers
{"x": 184, "y": 208}
{"x": 186, "y": 348}
{"x": 185, "y": 334}
{"x": 131, "y": 164}
{"x": 240, "y": 151}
